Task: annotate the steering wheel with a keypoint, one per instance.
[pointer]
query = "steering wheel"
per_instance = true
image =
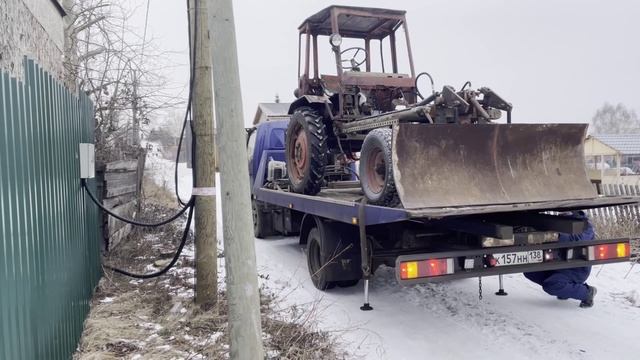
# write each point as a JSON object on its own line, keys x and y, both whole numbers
{"x": 354, "y": 63}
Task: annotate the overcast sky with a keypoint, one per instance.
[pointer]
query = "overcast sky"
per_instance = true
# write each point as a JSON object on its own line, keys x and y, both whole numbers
{"x": 555, "y": 61}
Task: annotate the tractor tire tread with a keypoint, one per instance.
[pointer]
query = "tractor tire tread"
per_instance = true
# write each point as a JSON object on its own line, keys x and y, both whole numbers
{"x": 318, "y": 150}
{"x": 390, "y": 195}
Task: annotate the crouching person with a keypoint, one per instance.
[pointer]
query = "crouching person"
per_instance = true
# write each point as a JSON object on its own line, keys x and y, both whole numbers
{"x": 569, "y": 283}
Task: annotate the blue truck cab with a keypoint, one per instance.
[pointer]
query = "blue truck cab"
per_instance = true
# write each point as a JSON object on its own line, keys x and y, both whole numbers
{"x": 266, "y": 138}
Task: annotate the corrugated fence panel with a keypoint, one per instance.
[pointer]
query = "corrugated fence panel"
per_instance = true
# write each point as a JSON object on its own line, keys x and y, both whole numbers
{"x": 50, "y": 241}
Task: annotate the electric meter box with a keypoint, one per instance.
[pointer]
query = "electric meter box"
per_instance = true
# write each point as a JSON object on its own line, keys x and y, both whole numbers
{"x": 87, "y": 161}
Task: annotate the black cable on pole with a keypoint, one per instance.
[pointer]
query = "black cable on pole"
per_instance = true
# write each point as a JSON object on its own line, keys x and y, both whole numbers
{"x": 192, "y": 70}
{"x": 184, "y": 124}
{"x": 188, "y": 205}
{"x": 176, "y": 256}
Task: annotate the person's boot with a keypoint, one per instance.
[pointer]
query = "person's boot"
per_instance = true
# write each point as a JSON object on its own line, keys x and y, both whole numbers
{"x": 562, "y": 298}
{"x": 588, "y": 302}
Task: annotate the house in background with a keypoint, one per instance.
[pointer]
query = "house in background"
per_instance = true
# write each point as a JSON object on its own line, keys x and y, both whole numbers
{"x": 613, "y": 158}
{"x": 32, "y": 28}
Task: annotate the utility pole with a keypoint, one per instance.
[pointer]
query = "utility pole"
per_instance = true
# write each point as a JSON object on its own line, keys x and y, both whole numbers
{"x": 240, "y": 254}
{"x": 204, "y": 187}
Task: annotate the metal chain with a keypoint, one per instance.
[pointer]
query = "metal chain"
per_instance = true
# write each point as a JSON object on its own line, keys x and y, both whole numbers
{"x": 479, "y": 288}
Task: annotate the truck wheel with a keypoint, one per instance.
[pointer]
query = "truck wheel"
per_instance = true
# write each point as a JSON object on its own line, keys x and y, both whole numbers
{"x": 261, "y": 223}
{"x": 315, "y": 261}
{"x": 376, "y": 169}
{"x": 306, "y": 151}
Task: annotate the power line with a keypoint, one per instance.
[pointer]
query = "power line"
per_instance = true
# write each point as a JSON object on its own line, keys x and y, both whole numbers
{"x": 146, "y": 23}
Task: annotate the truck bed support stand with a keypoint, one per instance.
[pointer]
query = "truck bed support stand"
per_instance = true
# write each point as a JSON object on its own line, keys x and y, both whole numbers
{"x": 364, "y": 254}
{"x": 501, "y": 291}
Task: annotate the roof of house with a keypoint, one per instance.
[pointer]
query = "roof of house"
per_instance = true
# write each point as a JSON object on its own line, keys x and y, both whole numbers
{"x": 626, "y": 144}
{"x": 270, "y": 110}
{"x": 595, "y": 147}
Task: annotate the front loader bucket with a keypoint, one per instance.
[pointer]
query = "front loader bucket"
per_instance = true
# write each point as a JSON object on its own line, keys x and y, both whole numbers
{"x": 455, "y": 165}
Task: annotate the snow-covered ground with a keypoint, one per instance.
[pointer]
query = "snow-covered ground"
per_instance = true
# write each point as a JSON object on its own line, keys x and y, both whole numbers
{"x": 447, "y": 320}
{"x": 163, "y": 171}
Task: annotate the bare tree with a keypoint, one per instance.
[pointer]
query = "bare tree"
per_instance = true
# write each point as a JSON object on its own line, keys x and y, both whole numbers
{"x": 112, "y": 63}
{"x": 617, "y": 119}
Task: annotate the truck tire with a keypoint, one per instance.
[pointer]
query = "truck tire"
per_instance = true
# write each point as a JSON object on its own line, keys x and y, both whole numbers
{"x": 376, "y": 169}
{"x": 306, "y": 151}
{"x": 262, "y": 226}
{"x": 316, "y": 261}
{"x": 332, "y": 256}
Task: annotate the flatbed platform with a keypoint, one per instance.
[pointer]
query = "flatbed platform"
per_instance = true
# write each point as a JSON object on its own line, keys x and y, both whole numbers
{"x": 343, "y": 204}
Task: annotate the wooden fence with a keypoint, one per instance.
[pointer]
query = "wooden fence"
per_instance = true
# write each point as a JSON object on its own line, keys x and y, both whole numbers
{"x": 121, "y": 189}
{"x": 618, "y": 212}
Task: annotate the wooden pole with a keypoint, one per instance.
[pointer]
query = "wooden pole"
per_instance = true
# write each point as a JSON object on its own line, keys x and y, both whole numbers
{"x": 205, "y": 205}
{"x": 240, "y": 257}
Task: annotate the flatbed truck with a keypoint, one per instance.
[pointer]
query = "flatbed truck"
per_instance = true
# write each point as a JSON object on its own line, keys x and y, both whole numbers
{"x": 348, "y": 239}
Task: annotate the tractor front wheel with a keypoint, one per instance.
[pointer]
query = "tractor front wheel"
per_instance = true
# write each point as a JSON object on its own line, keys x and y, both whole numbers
{"x": 376, "y": 169}
{"x": 306, "y": 151}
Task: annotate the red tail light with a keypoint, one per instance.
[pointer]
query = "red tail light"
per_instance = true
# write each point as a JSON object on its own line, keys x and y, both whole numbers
{"x": 609, "y": 251}
{"x": 425, "y": 268}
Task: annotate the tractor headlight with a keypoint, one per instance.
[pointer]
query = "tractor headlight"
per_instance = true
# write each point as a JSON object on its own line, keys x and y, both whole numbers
{"x": 335, "y": 40}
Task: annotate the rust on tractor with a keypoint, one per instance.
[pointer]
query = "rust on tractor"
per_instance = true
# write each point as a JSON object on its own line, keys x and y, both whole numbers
{"x": 298, "y": 153}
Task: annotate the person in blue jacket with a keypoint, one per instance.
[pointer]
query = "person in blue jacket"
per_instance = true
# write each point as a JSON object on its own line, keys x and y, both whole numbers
{"x": 569, "y": 283}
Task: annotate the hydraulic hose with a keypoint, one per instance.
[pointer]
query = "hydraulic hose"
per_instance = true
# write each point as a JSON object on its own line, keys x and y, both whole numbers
{"x": 428, "y": 100}
{"x": 433, "y": 88}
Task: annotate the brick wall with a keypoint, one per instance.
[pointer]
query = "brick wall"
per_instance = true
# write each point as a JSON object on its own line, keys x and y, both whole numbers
{"x": 34, "y": 28}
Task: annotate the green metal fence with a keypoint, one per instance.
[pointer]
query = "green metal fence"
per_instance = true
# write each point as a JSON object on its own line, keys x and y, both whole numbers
{"x": 49, "y": 246}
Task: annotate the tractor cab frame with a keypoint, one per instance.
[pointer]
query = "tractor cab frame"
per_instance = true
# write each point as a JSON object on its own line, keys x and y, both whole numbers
{"x": 355, "y": 92}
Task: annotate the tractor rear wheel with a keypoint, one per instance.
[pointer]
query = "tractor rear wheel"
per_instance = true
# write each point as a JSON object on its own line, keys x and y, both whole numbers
{"x": 376, "y": 169}
{"x": 306, "y": 151}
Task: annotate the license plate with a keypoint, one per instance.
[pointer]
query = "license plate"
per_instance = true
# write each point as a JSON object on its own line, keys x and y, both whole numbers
{"x": 518, "y": 258}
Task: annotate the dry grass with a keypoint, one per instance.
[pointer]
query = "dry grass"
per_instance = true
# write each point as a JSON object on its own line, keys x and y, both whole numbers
{"x": 157, "y": 319}
{"x": 155, "y": 194}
